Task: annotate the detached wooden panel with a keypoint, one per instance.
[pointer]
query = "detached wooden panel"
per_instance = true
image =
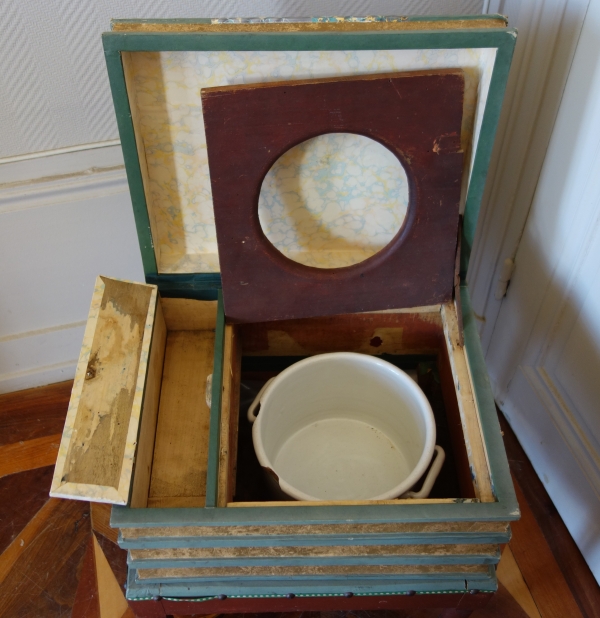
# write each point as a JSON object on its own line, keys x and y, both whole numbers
{"x": 97, "y": 451}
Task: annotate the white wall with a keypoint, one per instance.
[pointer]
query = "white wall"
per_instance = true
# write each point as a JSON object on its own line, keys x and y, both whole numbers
{"x": 56, "y": 236}
{"x": 66, "y": 216}
{"x": 53, "y": 84}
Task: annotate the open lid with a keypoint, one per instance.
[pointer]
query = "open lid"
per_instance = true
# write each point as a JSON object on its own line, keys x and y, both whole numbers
{"x": 158, "y": 69}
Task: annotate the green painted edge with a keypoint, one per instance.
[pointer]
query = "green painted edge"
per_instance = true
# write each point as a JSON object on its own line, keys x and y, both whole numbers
{"x": 124, "y": 517}
{"x": 214, "y": 431}
{"x": 308, "y": 41}
{"x": 179, "y": 591}
{"x": 200, "y": 286}
{"x": 473, "y": 17}
{"x": 490, "y": 426}
{"x": 171, "y": 542}
{"x": 116, "y": 77}
{"x": 485, "y": 145}
{"x": 232, "y": 585}
{"x": 424, "y": 559}
{"x": 305, "y": 596}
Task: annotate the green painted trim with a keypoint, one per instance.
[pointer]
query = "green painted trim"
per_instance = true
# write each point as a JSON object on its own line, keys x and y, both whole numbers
{"x": 202, "y": 286}
{"x": 233, "y": 585}
{"x": 307, "y": 41}
{"x": 170, "y": 542}
{"x": 124, "y": 517}
{"x": 317, "y": 596}
{"x": 485, "y": 145}
{"x": 214, "y": 431}
{"x": 178, "y": 590}
{"x": 118, "y": 87}
{"x": 476, "y": 16}
{"x": 187, "y": 20}
{"x": 424, "y": 559}
{"x": 490, "y": 426}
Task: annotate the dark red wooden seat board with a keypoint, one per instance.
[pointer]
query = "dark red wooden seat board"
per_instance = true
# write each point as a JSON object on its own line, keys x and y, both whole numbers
{"x": 417, "y": 116}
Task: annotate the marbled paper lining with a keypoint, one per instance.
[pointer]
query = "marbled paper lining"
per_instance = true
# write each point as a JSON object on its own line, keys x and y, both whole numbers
{"x": 166, "y": 91}
{"x": 333, "y": 200}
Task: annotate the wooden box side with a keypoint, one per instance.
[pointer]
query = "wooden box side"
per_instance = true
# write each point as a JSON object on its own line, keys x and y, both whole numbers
{"x": 180, "y": 449}
{"x": 97, "y": 450}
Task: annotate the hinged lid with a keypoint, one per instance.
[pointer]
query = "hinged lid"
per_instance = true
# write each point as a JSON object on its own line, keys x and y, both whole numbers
{"x": 416, "y": 115}
{"x": 158, "y": 69}
{"x": 97, "y": 450}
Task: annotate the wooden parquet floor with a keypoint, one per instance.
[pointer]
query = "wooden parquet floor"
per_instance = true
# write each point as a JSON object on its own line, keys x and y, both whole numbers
{"x": 60, "y": 558}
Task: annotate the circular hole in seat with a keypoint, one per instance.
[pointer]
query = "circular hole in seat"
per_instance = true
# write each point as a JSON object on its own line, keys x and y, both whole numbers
{"x": 333, "y": 200}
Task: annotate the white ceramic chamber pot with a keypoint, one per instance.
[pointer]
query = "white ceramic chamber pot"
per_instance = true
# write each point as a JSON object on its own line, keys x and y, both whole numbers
{"x": 345, "y": 426}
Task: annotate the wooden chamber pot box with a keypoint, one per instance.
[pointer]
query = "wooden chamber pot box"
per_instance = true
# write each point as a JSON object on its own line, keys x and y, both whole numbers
{"x": 221, "y": 300}
{"x": 139, "y": 412}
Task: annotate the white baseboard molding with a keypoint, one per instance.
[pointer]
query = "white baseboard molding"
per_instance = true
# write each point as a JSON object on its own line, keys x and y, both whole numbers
{"x": 64, "y": 219}
{"x": 41, "y": 357}
{"x": 40, "y": 376}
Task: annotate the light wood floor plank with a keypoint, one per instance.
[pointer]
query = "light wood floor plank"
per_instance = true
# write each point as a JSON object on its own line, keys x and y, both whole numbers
{"x": 540, "y": 570}
{"x": 111, "y": 597}
{"x": 28, "y": 455}
{"x": 511, "y": 577}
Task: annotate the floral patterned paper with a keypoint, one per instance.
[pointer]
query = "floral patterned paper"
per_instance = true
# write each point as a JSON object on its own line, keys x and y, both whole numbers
{"x": 166, "y": 91}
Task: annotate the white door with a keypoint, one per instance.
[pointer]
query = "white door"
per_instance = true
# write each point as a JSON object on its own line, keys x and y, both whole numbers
{"x": 544, "y": 351}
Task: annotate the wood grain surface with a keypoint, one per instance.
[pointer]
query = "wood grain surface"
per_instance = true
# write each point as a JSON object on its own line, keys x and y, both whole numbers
{"x": 34, "y": 413}
{"x": 583, "y": 587}
{"x": 28, "y": 455}
{"x": 104, "y": 410}
{"x": 21, "y": 497}
{"x": 181, "y": 448}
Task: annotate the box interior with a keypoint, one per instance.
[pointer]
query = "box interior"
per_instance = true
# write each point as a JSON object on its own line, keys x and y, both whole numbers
{"x": 414, "y": 340}
{"x": 176, "y": 435}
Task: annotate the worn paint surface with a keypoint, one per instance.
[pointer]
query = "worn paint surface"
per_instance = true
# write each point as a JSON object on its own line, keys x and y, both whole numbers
{"x": 308, "y": 571}
{"x": 187, "y": 553}
{"x": 97, "y": 451}
{"x": 275, "y": 530}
